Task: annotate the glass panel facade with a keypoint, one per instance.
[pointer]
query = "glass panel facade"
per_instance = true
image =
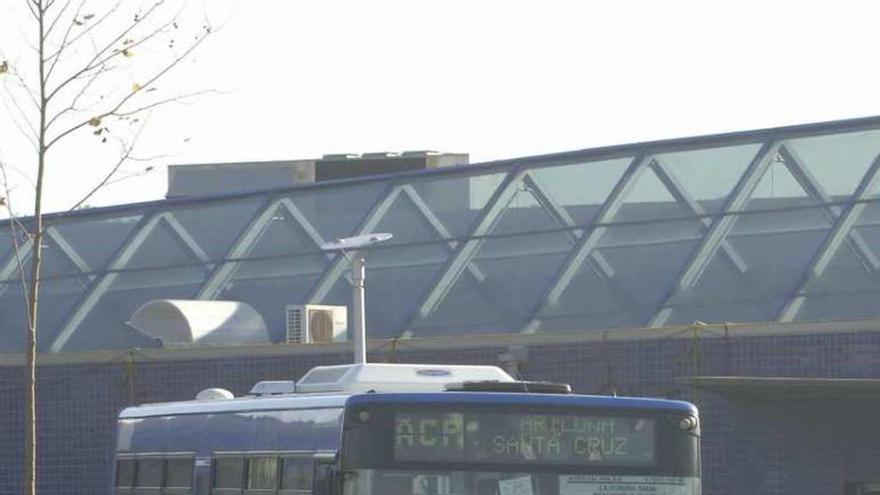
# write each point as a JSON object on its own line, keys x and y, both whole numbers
{"x": 337, "y": 211}
{"x": 579, "y": 188}
{"x": 837, "y": 161}
{"x": 709, "y": 175}
{"x": 454, "y": 201}
{"x": 98, "y": 240}
{"x": 215, "y": 227}
{"x": 761, "y": 226}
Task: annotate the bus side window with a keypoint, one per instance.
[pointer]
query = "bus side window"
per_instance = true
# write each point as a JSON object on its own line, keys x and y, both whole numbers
{"x": 178, "y": 475}
{"x": 228, "y": 475}
{"x": 297, "y": 474}
{"x": 148, "y": 477}
{"x": 124, "y": 475}
{"x": 262, "y": 474}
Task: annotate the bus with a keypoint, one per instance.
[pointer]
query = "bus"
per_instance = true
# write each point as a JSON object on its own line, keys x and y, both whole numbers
{"x": 383, "y": 429}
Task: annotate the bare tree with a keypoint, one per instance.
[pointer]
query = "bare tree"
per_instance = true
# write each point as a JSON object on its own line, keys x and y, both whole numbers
{"x": 94, "y": 73}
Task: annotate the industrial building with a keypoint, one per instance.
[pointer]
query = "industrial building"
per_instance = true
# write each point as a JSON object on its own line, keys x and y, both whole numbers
{"x": 739, "y": 271}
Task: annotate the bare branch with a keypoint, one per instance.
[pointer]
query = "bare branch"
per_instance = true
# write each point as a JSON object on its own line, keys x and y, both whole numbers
{"x": 73, "y": 102}
{"x": 32, "y": 136}
{"x": 34, "y": 13}
{"x": 64, "y": 39}
{"x": 173, "y": 99}
{"x": 60, "y": 15}
{"x": 123, "y": 157}
{"x": 92, "y": 25}
{"x": 99, "y": 58}
{"x": 21, "y": 82}
{"x": 115, "y": 111}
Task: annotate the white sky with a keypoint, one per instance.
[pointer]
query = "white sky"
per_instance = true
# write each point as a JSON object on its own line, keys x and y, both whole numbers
{"x": 496, "y": 79}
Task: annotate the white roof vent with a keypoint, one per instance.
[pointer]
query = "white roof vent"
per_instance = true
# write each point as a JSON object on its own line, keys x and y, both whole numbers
{"x": 354, "y": 378}
{"x": 214, "y": 394}
{"x": 274, "y": 387}
{"x": 187, "y": 323}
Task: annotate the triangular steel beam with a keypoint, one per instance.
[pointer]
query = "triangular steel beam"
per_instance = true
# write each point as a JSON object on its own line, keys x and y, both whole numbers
{"x": 684, "y": 199}
{"x": 372, "y": 221}
{"x": 123, "y": 257}
{"x": 249, "y": 237}
{"x": 836, "y": 237}
{"x": 102, "y": 284}
{"x": 716, "y": 234}
{"x": 25, "y": 254}
{"x": 338, "y": 266}
{"x": 832, "y": 212}
{"x": 466, "y": 250}
{"x": 69, "y": 251}
{"x": 180, "y": 231}
{"x": 597, "y": 263}
{"x": 15, "y": 261}
{"x": 586, "y": 244}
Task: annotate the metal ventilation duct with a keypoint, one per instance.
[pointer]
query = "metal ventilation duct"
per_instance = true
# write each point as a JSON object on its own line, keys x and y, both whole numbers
{"x": 187, "y": 323}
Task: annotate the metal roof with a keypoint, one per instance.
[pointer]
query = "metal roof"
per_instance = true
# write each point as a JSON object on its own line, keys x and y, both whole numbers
{"x": 772, "y": 225}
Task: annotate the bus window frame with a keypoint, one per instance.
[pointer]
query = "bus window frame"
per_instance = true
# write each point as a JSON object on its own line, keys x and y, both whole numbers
{"x": 178, "y": 490}
{"x": 227, "y": 490}
{"x": 125, "y": 490}
{"x": 162, "y": 489}
{"x": 279, "y": 455}
{"x": 307, "y": 455}
{"x": 248, "y": 457}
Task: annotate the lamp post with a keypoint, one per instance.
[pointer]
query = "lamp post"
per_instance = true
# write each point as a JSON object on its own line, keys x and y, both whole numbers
{"x": 348, "y": 246}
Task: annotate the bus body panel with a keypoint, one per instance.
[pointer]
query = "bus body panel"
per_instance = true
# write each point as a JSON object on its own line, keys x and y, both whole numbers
{"x": 308, "y": 424}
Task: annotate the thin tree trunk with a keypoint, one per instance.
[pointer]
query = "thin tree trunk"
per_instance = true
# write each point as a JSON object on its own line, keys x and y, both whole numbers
{"x": 34, "y": 293}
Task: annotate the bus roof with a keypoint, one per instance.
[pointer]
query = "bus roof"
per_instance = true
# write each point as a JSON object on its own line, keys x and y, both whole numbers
{"x": 598, "y": 401}
{"x": 240, "y": 404}
{"x": 321, "y": 401}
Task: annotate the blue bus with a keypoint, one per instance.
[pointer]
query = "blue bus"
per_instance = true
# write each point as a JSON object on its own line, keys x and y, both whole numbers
{"x": 378, "y": 429}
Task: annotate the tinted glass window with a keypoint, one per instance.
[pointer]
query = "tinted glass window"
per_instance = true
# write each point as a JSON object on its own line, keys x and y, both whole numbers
{"x": 228, "y": 472}
{"x": 149, "y": 473}
{"x": 262, "y": 473}
{"x": 125, "y": 473}
{"x": 178, "y": 472}
{"x": 296, "y": 473}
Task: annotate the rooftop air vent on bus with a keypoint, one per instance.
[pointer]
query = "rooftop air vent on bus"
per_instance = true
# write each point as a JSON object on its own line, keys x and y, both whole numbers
{"x": 274, "y": 387}
{"x": 517, "y": 386}
{"x": 381, "y": 377}
{"x": 214, "y": 394}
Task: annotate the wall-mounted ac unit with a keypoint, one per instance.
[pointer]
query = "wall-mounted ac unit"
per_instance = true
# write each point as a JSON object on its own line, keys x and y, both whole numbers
{"x": 316, "y": 324}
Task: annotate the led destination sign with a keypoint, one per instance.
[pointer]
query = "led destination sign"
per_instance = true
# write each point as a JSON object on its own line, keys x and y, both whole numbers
{"x": 523, "y": 438}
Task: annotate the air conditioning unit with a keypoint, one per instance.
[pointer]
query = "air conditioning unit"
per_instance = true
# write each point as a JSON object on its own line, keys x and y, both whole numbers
{"x": 316, "y": 324}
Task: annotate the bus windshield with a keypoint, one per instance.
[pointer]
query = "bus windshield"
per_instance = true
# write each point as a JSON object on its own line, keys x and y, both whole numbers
{"x": 461, "y": 449}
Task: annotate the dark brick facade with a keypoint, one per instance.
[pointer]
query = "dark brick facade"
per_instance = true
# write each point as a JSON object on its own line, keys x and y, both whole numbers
{"x": 749, "y": 447}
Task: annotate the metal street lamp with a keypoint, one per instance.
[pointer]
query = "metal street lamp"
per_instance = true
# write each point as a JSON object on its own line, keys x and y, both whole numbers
{"x": 349, "y": 247}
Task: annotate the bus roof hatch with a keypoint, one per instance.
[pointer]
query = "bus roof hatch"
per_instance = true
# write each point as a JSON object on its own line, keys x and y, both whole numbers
{"x": 379, "y": 377}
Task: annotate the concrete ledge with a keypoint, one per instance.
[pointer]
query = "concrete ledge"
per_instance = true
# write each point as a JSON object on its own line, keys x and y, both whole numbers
{"x": 701, "y": 330}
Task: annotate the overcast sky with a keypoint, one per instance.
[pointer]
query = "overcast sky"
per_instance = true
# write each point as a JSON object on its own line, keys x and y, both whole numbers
{"x": 495, "y": 79}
